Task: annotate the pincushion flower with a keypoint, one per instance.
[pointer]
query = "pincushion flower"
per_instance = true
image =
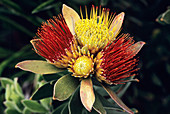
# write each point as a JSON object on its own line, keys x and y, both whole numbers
{"x": 88, "y": 48}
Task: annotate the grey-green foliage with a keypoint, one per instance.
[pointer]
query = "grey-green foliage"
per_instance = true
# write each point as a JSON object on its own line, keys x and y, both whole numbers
{"x": 16, "y": 103}
{"x": 164, "y": 18}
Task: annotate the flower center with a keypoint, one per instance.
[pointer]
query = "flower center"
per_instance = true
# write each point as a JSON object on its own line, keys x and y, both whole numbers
{"x": 83, "y": 66}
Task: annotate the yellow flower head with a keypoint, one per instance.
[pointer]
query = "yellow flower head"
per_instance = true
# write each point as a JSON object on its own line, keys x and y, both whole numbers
{"x": 97, "y": 30}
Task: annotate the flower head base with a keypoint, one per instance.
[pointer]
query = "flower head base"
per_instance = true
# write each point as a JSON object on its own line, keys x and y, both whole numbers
{"x": 97, "y": 31}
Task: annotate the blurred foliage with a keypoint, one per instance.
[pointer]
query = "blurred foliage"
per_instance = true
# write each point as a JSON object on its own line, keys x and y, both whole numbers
{"x": 19, "y": 20}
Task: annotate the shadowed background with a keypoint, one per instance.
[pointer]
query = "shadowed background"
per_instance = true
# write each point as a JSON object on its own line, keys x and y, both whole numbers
{"x": 19, "y": 20}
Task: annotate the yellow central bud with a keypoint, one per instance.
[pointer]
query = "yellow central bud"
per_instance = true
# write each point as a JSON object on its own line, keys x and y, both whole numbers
{"x": 92, "y": 33}
{"x": 83, "y": 66}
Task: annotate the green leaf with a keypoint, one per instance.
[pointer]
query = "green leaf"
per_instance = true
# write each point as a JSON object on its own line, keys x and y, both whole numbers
{"x": 65, "y": 110}
{"x": 98, "y": 105}
{"x": 5, "y": 52}
{"x": 12, "y": 105}
{"x": 59, "y": 109}
{"x": 12, "y": 6}
{"x": 64, "y": 87}
{"x": 18, "y": 88}
{"x": 8, "y": 92}
{"x": 45, "y": 5}
{"x": 123, "y": 89}
{"x": 164, "y": 18}
{"x": 87, "y": 94}
{"x": 51, "y": 77}
{"x": 16, "y": 25}
{"x": 5, "y": 82}
{"x": 115, "y": 111}
{"x": 75, "y": 102}
{"x": 11, "y": 111}
{"x": 26, "y": 111}
{"x": 102, "y": 92}
{"x": 14, "y": 96}
{"x": 117, "y": 99}
{"x": 108, "y": 106}
{"x": 34, "y": 106}
{"x": 13, "y": 57}
{"x": 43, "y": 92}
{"x": 38, "y": 67}
{"x": 104, "y": 101}
{"x": 46, "y": 102}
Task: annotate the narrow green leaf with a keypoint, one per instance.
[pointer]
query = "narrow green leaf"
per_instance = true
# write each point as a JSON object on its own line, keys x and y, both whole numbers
{"x": 102, "y": 91}
{"x": 65, "y": 110}
{"x": 87, "y": 94}
{"x": 14, "y": 96}
{"x": 64, "y": 87}
{"x": 18, "y": 88}
{"x": 13, "y": 57}
{"x": 164, "y": 18}
{"x": 12, "y": 105}
{"x": 16, "y": 25}
{"x": 75, "y": 102}
{"x": 43, "y": 92}
{"x": 34, "y": 106}
{"x": 17, "y": 10}
{"x": 8, "y": 92}
{"x": 5, "y": 52}
{"x": 123, "y": 89}
{"x": 59, "y": 109}
{"x": 11, "y": 111}
{"x": 5, "y": 82}
{"x": 117, "y": 99}
{"x": 110, "y": 107}
{"x": 115, "y": 111}
{"x": 42, "y": 6}
{"x": 104, "y": 101}
{"x": 51, "y": 77}
{"x": 26, "y": 111}
{"x": 38, "y": 67}
{"x": 46, "y": 102}
{"x": 98, "y": 106}
{"x": 12, "y": 5}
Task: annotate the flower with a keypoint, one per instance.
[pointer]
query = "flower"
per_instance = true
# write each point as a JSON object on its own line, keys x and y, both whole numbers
{"x": 88, "y": 47}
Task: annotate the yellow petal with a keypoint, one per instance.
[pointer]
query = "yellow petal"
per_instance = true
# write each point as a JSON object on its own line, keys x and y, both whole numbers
{"x": 117, "y": 23}
{"x": 70, "y": 17}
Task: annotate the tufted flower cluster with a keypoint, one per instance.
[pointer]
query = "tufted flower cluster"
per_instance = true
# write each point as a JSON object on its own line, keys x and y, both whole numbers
{"x": 88, "y": 46}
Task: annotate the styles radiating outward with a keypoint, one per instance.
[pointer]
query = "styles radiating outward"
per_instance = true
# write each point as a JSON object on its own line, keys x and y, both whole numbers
{"x": 88, "y": 46}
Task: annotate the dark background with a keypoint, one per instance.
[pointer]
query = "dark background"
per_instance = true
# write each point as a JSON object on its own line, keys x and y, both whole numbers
{"x": 19, "y": 20}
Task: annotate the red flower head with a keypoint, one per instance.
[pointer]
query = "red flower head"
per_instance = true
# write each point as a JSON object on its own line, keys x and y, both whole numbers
{"x": 53, "y": 41}
{"x": 117, "y": 60}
